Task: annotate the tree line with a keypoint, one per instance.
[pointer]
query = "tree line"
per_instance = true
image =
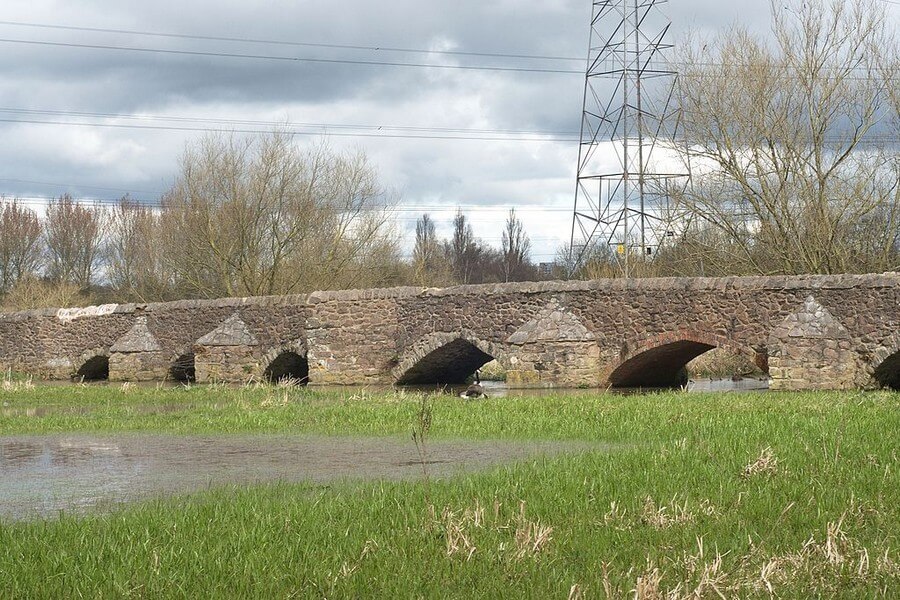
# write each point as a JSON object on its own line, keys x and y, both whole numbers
{"x": 245, "y": 217}
{"x": 250, "y": 216}
{"x": 464, "y": 259}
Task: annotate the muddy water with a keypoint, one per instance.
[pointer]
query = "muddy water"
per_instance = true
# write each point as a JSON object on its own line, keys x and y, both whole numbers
{"x": 750, "y": 384}
{"x": 498, "y": 389}
{"x": 494, "y": 389}
{"x": 42, "y": 475}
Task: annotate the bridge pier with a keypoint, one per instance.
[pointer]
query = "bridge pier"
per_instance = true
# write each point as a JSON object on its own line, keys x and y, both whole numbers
{"x": 138, "y": 356}
{"x": 811, "y": 350}
{"x": 227, "y": 354}
{"x": 562, "y": 364}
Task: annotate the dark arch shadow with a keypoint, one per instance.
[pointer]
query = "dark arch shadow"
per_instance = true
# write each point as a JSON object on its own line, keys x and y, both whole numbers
{"x": 887, "y": 374}
{"x": 288, "y": 366}
{"x": 453, "y": 362}
{"x": 659, "y": 366}
{"x": 95, "y": 368}
{"x": 183, "y": 369}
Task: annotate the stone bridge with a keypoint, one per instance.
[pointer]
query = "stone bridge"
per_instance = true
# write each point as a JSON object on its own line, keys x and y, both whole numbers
{"x": 815, "y": 332}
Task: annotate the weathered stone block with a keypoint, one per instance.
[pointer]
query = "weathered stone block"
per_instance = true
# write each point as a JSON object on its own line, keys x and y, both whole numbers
{"x": 138, "y": 366}
{"x": 227, "y": 364}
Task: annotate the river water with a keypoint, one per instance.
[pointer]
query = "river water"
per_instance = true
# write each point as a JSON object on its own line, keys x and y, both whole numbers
{"x": 41, "y": 475}
{"x": 498, "y": 389}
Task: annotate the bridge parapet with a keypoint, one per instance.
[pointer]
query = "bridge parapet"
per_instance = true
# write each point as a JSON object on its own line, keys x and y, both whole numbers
{"x": 815, "y": 332}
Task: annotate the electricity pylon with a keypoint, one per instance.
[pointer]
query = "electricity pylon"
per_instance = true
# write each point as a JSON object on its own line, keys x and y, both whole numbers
{"x": 622, "y": 194}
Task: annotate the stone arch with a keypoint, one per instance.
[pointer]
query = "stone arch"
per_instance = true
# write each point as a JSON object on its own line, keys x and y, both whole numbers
{"x": 287, "y": 363}
{"x": 660, "y": 361}
{"x": 93, "y": 366}
{"x": 183, "y": 368}
{"x": 446, "y": 358}
{"x": 886, "y": 364}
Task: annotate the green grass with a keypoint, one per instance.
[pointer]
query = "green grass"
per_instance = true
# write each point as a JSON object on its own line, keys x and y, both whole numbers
{"x": 818, "y": 515}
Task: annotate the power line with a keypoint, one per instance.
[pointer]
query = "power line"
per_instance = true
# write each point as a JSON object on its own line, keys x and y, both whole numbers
{"x": 377, "y": 48}
{"x": 295, "y": 132}
{"x": 341, "y": 61}
{"x": 612, "y": 69}
{"x": 217, "y": 38}
{"x": 276, "y": 124}
{"x": 75, "y": 185}
{"x": 42, "y": 199}
{"x": 326, "y": 129}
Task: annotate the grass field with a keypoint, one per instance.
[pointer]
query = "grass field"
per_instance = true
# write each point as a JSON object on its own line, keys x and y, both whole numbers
{"x": 794, "y": 495}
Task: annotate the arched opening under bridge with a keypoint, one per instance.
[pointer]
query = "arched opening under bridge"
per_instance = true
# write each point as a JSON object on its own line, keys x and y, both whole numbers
{"x": 288, "y": 366}
{"x": 887, "y": 374}
{"x": 183, "y": 369}
{"x": 450, "y": 363}
{"x": 95, "y": 368}
{"x": 663, "y": 365}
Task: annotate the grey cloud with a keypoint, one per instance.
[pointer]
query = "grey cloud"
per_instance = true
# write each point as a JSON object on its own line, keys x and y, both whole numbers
{"x": 449, "y": 172}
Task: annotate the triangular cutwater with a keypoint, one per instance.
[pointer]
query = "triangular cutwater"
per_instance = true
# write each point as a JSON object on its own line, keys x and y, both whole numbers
{"x": 554, "y": 323}
{"x": 813, "y": 321}
{"x": 138, "y": 339}
{"x": 233, "y": 332}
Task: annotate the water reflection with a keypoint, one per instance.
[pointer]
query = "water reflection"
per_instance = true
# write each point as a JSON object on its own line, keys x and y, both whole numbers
{"x": 41, "y": 475}
{"x": 17, "y": 454}
{"x": 748, "y": 384}
{"x": 498, "y": 389}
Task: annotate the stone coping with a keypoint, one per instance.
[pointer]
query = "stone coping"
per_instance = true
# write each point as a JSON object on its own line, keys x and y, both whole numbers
{"x": 779, "y": 282}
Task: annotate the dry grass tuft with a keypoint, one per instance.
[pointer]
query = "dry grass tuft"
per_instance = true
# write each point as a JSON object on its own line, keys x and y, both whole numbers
{"x": 460, "y": 529}
{"x": 616, "y": 517}
{"x": 657, "y": 516}
{"x": 649, "y": 584}
{"x": 662, "y": 517}
{"x": 16, "y": 384}
{"x": 837, "y": 555}
{"x": 459, "y": 540}
{"x": 277, "y": 397}
{"x": 456, "y": 528}
{"x": 828, "y": 561}
{"x": 766, "y": 464}
{"x": 576, "y": 592}
{"x": 711, "y": 579}
{"x": 348, "y": 568}
{"x": 532, "y": 538}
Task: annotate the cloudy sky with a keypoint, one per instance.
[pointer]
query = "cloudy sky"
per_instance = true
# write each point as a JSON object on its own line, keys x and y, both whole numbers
{"x": 77, "y": 88}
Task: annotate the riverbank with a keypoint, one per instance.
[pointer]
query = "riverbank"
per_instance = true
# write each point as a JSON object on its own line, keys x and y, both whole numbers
{"x": 741, "y": 495}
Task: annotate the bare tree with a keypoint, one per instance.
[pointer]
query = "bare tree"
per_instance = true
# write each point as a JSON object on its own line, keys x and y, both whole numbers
{"x": 259, "y": 215}
{"x": 74, "y": 238}
{"x": 134, "y": 252}
{"x": 20, "y": 244}
{"x": 516, "y": 247}
{"x": 426, "y": 249}
{"x": 597, "y": 262}
{"x": 429, "y": 266}
{"x": 463, "y": 250}
{"x": 787, "y": 145}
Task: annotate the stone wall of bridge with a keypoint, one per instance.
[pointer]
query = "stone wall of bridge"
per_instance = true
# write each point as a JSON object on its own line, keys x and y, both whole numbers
{"x": 816, "y": 332}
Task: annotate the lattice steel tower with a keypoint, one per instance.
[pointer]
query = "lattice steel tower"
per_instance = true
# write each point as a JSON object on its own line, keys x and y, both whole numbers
{"x": 622, "y": 188}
